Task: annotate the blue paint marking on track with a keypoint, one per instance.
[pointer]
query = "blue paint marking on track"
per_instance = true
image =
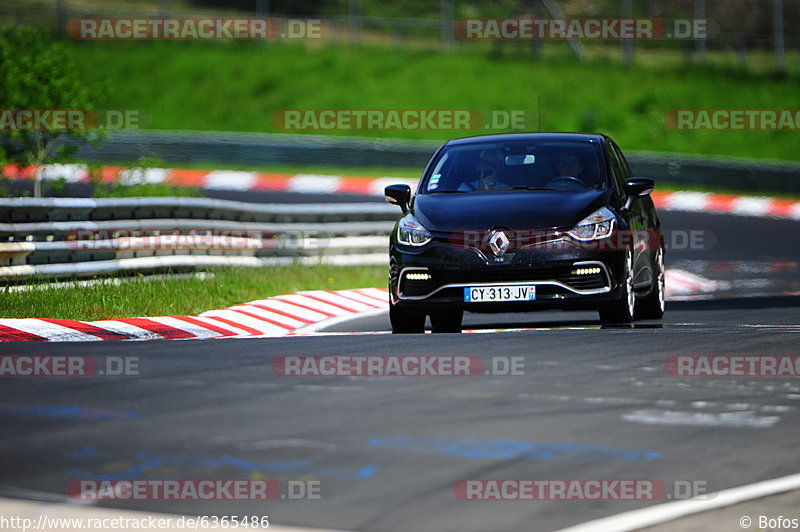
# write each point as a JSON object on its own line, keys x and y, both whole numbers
{"x": 147, "y": 462}
{"x": 66, "y": 412}
{"x": 83, "y": 453}
{"x": 515, "y": 449}
{"x": 367, "y": 471}
{"x": 266, "y": 466}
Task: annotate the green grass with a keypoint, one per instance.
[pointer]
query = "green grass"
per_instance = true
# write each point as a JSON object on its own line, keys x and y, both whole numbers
{"x": 186, "y": 296}
{"x": 237, "y": 86}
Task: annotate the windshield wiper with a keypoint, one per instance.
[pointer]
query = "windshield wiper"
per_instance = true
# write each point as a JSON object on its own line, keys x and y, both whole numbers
{"x": 447, "y": 191}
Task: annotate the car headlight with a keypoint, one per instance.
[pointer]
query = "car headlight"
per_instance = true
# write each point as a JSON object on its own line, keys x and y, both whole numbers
{"x": 411, "y": 233}
{"x": 599, "y": 224}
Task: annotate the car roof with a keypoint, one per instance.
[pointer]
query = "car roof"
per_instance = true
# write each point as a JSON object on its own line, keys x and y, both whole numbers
{"x": 503, "y": 137}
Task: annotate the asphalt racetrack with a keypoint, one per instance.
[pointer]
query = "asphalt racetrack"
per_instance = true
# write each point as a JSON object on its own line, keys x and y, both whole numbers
{"x": 588, "y": 403}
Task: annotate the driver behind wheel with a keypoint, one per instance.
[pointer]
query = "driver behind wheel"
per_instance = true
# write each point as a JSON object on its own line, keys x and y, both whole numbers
{"x": 568, "y": 169}
{"x": 490, "y": 166}
{"x": 568, "y": 165}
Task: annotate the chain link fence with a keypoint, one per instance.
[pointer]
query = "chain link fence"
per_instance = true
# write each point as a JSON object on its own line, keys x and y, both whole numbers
{"x": 744, "y": 28}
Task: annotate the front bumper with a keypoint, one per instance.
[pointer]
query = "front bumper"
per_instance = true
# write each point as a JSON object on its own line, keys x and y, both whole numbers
{"x": 436, "y": 276}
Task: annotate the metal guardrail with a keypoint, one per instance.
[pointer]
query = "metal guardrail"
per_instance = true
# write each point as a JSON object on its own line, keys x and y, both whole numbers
{"x": 76, "y": 237}
{"x": 182, "y": 147}
{"x": 68, "y": 209}
{"x": 257, "y": 149}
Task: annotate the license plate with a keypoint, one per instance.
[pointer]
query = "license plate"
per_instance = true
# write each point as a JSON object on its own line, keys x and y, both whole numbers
{"x": 483, "y": 294}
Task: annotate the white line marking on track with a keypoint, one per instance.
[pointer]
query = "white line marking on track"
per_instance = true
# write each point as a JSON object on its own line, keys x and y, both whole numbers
{"x": 746, "y": 419}
{"x": 670, "y": 511}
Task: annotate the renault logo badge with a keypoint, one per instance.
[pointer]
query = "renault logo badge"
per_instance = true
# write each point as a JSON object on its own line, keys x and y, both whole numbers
{"x": 498, "y": 242}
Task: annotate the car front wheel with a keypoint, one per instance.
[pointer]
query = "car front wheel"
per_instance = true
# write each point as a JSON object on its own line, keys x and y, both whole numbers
{"x": 622, "y": 311}
{"x": 651, "y": 307}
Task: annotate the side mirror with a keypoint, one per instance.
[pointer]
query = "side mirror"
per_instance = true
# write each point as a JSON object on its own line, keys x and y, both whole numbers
{"x": 398, "y": 195}
{"x": 637, "y": 187}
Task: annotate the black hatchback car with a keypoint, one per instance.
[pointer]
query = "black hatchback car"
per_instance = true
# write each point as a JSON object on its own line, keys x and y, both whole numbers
{"x": 526, "y": 221}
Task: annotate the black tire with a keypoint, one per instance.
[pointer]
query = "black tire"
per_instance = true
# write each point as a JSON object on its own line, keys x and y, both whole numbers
{"x": 651, "y": 307}
{"x": 447, "y": 321}
{"x": 406, "y": 321}
{"x": 621, "y": 312}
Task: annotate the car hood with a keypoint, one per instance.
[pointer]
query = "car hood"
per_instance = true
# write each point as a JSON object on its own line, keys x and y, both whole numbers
{"x": 513, "y": 209}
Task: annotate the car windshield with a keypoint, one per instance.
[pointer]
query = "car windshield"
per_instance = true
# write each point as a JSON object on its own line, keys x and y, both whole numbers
{"x": 523, "y": 165}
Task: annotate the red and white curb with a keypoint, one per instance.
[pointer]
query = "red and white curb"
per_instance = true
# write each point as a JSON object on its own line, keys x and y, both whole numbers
{"x": 283, "y": 315}
{"x": 707, "y": 202}
{"x": 213, "y": 179}
{"x": 682, "y": 283}
{"x": 286, "y": 315}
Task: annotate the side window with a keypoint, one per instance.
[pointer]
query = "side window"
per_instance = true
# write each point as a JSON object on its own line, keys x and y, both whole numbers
{"x": 616, "y": 169}
{"x": 626, "y": 168}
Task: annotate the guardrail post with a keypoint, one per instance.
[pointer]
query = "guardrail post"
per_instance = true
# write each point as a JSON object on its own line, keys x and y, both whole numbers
{"x": 446, "y": 10}
{"x": 626, "y": 44}
{"x": 777, "y": 24}
{"x": 700, "y": 42}
{"x": 354, "y": 20}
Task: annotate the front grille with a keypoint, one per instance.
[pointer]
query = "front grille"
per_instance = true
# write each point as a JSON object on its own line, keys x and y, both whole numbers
{"x": 499, "y": 274}
{"x": 518, "y": 239}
